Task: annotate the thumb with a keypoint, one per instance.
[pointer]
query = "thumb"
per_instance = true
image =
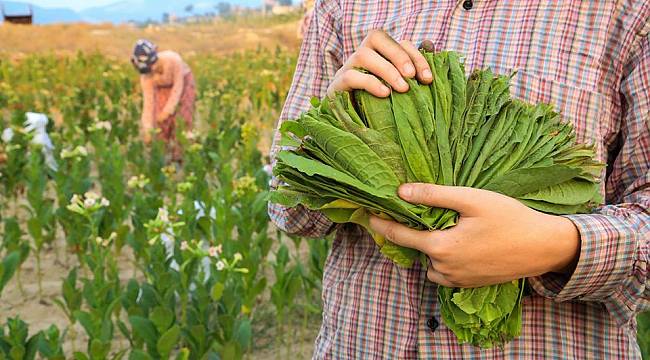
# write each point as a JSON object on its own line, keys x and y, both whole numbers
{"x": 464, "y": 200}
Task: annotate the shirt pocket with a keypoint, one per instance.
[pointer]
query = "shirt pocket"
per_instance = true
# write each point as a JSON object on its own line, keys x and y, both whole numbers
{"x": 589, "y": 111}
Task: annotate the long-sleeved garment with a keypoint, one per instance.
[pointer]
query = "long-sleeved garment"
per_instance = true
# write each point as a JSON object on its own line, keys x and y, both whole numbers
{"x": 591, "y": 59}
{"x": 170, "y": 92}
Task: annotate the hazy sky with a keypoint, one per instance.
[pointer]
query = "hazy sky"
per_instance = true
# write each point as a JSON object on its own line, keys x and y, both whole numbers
{"x": 71, "y": 4}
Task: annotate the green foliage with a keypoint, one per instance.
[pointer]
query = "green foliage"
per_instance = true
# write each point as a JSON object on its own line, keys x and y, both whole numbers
{"x": 643, "y": 324}
{"x": 349, "y": 154}
{"x": 15, "y": 342}
{"x": 8, "y": 266}
{"x": 115, "y": 198}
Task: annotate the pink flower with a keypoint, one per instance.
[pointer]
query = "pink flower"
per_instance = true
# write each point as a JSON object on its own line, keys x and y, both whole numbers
{"x": 213, "y": 251}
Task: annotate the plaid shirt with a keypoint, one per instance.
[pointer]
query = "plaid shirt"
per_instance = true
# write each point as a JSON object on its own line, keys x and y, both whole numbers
{"x": 591, "y": 59}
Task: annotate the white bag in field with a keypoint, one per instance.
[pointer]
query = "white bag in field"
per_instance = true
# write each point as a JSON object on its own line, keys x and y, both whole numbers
{"x": 36, "y": 123}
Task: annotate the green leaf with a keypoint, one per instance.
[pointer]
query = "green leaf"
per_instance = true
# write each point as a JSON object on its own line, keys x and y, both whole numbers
{"x": 411, "y": 137}
{"x": 523, "y": 181}
{"x": 144, "y": 329}
{"x": 217, "y": 291}
{"x": 377, "y": 113}
{"x": 8, "y": 267}
{"x": 137, "y": 354}
{"x": 80, "y": 356}
{"x": 162, "y": 318}
{"x": 352, "y": 153}
{"x": 557, "y": 209}
{"x": 244, "y": 333}
{"x": 572, "y": 192}
{"x": 183, "y": 354}
{"x": 98, "y": 350}
{"x": 400, "y": 255}
{"x": 86, "y": 320}
{"x": 168, "y": 341}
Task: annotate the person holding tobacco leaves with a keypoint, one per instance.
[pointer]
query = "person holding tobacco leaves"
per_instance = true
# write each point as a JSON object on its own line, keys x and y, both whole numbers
{"x": 589, "y": 274}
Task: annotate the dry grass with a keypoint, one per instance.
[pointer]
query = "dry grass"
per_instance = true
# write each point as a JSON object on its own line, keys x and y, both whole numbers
{"x": 221, "y": 37}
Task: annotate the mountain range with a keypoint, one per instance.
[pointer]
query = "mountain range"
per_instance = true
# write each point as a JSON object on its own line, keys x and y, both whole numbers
{"x": 121, "y": 11}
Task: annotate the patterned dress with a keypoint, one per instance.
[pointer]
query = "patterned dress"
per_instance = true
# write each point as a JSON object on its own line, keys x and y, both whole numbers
{"x": 591, "y": 59}
{"x": 173, "y": 92}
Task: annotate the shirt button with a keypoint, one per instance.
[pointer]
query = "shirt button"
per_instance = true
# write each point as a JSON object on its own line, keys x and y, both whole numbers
{"x": 432, "y": 324}
{"x": 468, "y": 4}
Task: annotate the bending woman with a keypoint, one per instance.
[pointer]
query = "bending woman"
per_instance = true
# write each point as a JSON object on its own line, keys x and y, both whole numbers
{"x": 168, "y": 91}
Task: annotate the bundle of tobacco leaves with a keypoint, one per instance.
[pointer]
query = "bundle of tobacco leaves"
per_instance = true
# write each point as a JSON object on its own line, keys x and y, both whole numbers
{"x": 349, "y": 154}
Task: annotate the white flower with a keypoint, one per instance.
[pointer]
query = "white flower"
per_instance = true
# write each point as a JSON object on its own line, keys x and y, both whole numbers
{"x": 82, "y": 150}
{"x": 89, "y": 202}
{"x": 220, "y": 265}
{"x": 219, "y": 248}
{"x": 76, "y": 199}
{"x": 91, "y": 195}
{"x": 184, "y": 246}
{"x": 238, "y": 257}
{"x": 104, "y": 202}
{"x": 99, "y": 240}
{"x": 106, "y": 125}
{"x": 163, "y": 214}
{"x": 7, "y": 134}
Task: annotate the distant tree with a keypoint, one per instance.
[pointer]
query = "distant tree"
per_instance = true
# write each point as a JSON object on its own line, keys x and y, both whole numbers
{"x": 224, "y": 8}
{"x": 189, "y": 8}
{"x": 285, "y": 2}
{"x": 165, "y": 18}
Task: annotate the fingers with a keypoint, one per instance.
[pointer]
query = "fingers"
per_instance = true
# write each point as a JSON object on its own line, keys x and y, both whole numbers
{"x": 466, "y": 201}
{"x": 438, "y": 278}
{"x": 423, "y": 71}
{"x": 385, "y": 58}
{"x": 383, "y": 44}
{"x": 424, "y": 241}
{"x": 351, "y": 79}
{"x": 376, "y": 64}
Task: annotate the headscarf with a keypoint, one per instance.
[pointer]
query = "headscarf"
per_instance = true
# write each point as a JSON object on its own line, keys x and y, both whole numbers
{"x": 144, "y": 56}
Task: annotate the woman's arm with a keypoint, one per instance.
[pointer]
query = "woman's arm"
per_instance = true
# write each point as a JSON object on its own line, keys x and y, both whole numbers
{"x": 176, "y": 67}
{"x": 148, "y": 116}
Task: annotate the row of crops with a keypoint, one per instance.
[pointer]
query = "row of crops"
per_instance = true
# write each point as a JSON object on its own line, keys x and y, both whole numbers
{"x": 164, "y": 260}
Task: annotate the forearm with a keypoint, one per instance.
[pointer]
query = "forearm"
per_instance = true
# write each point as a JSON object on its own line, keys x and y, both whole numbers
{"x": 148, "y": 96}
{"x": 176, "y": 91}
{"x": 613, "y": 266}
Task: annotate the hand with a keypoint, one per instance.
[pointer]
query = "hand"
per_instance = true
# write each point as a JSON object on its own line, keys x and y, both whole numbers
{"x": 162, "y": 116}
{"x": 146, "y": 137}
{"x": 386, "y": 59}
{"x": 497, "y": 238}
